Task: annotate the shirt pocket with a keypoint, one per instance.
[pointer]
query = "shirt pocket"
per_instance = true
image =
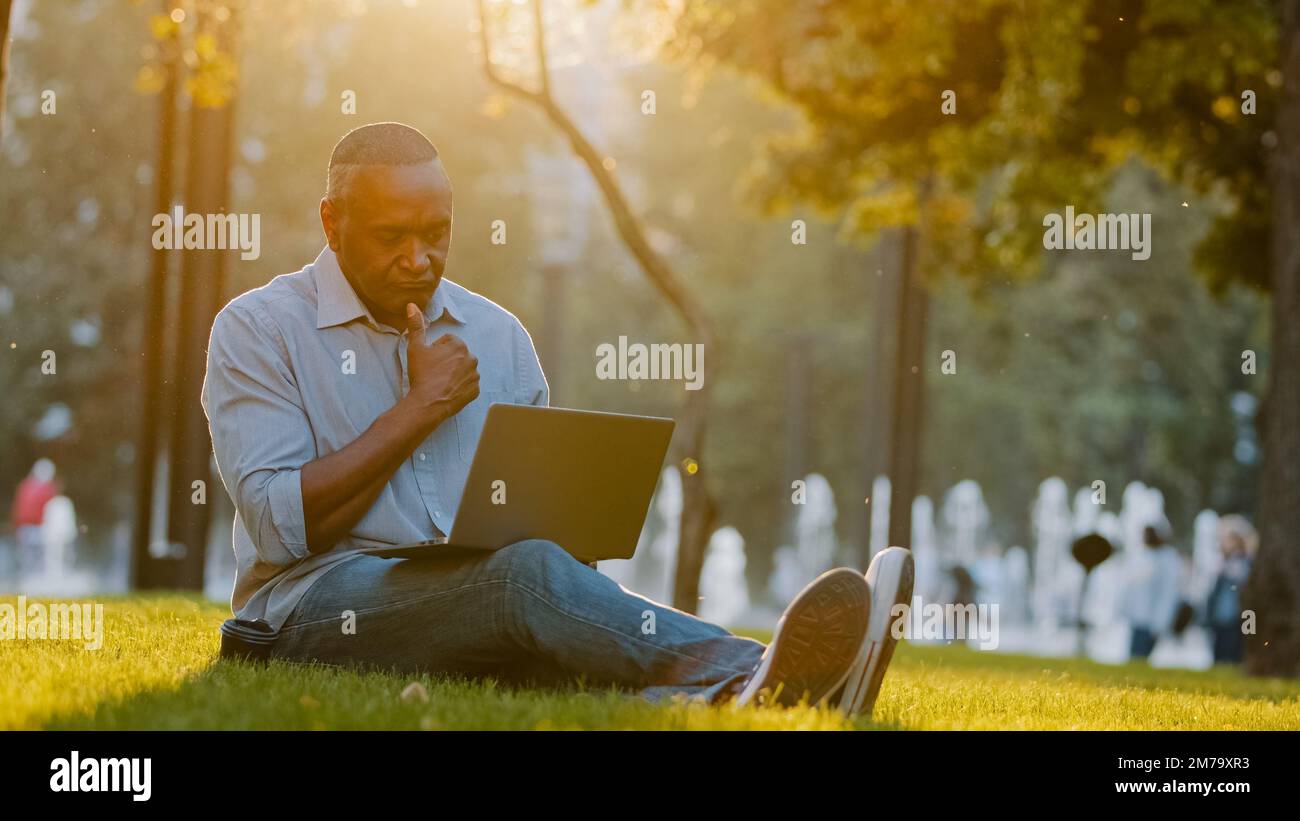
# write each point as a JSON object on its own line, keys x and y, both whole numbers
{"x": 469, "y": 422}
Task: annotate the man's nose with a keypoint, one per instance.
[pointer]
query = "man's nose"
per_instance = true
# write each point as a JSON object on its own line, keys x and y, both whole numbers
{"x": 415, "y": 256}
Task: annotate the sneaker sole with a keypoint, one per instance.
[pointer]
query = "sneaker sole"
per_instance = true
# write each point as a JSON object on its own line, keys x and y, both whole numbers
{"x": 890, "y": 577}
{"x": 815, "y": 642}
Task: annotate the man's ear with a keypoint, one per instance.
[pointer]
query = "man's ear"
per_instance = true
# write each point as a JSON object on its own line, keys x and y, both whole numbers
{"x": 329, "y": 221}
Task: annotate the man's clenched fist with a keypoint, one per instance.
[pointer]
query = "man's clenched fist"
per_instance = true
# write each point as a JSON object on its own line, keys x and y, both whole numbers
{"x": 444, "y": 374}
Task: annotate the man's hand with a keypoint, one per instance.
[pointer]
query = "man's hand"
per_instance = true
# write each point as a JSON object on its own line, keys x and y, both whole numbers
{"x": 444, "y": 374}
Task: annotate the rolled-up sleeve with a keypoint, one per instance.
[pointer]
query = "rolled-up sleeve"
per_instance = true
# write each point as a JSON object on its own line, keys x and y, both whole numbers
{"x": 531, "y": 382}
{"x": 260, "y": 432}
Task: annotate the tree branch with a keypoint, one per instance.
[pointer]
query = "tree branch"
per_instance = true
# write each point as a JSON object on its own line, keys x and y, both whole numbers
{"x": 663, "y": 277}
{"x": 5, "y": 9}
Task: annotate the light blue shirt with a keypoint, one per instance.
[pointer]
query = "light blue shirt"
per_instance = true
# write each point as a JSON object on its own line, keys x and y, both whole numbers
{"x": 299, "y": 368}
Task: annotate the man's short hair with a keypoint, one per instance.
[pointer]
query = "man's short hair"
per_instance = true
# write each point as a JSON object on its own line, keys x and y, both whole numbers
{"x": 375, "y": 144}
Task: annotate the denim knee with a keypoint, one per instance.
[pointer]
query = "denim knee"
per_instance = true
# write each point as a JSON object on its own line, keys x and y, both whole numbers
{"x": 537, "y": 563}
{"x": 535, "y": 569}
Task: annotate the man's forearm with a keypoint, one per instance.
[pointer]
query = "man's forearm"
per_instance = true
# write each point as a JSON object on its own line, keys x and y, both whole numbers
{"x": 338, "y": 489}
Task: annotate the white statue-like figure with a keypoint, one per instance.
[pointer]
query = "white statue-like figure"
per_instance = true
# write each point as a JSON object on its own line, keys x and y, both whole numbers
{"x": 925, "y": 552}
{"x": 813, "y": 552}
{"x": 724, "y": 593}
{"x": 880, "y": 496}
{"x": 1053, "y": 523}
{"x": 965, "y": 518}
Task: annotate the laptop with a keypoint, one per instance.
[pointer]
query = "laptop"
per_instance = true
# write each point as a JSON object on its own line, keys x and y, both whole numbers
{"x": 581, "y": 479}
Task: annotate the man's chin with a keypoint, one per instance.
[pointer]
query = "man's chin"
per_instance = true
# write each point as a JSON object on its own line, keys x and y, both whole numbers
{"x": 420, "y": 296}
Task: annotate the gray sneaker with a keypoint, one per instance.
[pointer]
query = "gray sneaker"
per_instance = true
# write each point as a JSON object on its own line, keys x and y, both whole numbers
{"x": 815, "y": 642}
{"x": 890, "y": 578}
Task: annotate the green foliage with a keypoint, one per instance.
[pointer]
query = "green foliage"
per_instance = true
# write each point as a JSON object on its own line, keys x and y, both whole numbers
{"x": 1050, "y": 98}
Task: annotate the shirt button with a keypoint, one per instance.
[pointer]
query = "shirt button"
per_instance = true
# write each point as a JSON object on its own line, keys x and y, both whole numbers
{"x": 422, "y": 457}
{"x": 438, "y": 513}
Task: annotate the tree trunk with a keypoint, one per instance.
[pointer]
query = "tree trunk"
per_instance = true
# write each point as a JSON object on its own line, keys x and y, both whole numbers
{"x": 145, "y": 569}
{"x": 909, "y": 391}
{"x": 878, "y": 402}
{"x": 798, "y": 364}
{"x": 203, "y": 273}
{"x": 1273, "y": 590}
{"x": 699, "y": 510}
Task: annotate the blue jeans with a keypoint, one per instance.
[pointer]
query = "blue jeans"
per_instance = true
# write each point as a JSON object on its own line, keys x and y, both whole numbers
{"x": 529, "y": 612}
{"x": 1142, "y": 642}
{"x": 1228, "y": 643}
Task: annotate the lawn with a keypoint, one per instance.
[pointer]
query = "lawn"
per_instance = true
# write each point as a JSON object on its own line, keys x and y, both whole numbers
{"x": 158, "y": 669}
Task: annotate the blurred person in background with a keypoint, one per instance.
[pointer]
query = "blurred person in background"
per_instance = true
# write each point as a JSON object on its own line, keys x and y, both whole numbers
{"x": 963, "y": 586}
{"x": 1237, "y": 541}
{"x": 58, "y": 538}
{"x": 28, "y": 513}
{"x": 1155, "y": 592}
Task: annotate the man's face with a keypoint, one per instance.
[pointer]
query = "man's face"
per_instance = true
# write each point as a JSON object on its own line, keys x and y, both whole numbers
{"x": 391, "y": 235}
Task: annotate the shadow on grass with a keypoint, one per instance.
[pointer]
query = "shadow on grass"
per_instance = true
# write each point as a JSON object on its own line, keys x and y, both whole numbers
{"x": 282, "y": 695}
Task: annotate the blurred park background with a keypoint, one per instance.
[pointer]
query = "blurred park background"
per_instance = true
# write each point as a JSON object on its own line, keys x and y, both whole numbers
{"x": 843, "y": 200}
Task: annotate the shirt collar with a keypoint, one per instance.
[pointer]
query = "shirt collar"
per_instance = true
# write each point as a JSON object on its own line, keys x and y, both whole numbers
{"x": 337, "y": 303}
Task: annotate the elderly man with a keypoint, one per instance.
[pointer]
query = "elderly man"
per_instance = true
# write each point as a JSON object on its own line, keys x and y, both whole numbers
{"x": 345, "y": 402}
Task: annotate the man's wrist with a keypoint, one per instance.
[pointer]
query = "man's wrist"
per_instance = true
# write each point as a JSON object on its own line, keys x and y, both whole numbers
{"x": 418, "y": 418}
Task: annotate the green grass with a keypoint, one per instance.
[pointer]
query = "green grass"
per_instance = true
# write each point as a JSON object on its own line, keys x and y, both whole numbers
{"x": 158, "y": 669}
